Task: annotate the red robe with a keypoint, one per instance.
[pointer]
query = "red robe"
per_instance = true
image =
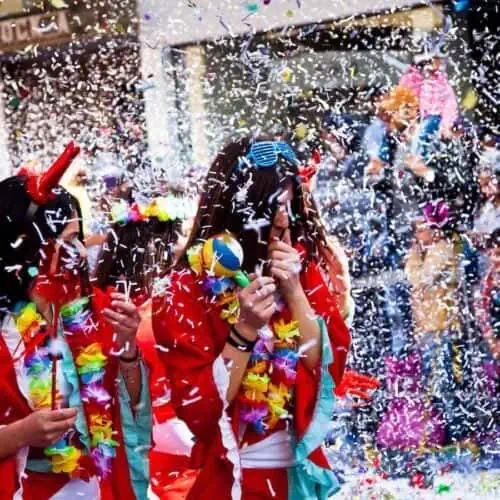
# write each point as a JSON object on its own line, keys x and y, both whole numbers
{"x": 193, "y": 335}
{"x": 13, "y": 407}
{"x": 170, "y": 474}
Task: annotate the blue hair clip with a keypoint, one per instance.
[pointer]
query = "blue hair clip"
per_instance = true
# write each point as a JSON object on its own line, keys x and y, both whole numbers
{"x": 265, "y": 154}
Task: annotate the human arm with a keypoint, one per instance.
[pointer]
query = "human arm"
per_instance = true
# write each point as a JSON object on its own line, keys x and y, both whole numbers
{"x": 39, "y": 429}
{"x": 308, "y": 326}
{"x": 257, "y": 305}
{"x": 286, "y": 267}
{"x": 325, "y": 307}
{"x": 124, "y": 317}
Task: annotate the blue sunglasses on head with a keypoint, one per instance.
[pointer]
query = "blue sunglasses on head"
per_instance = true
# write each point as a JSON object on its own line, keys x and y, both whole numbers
{"x": 265, "y": 154}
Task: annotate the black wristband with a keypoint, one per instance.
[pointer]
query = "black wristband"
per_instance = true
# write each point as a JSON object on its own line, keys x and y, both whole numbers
{"x": 131, "y": 360}
{"x": 241, "y": 338}
{"x": 242, "y": 348}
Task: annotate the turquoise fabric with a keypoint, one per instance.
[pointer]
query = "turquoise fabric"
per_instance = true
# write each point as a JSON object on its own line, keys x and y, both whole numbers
{"x": 306, "y": 480}
{"x": 137, "y": 434}
{"x": 39, "y": 465}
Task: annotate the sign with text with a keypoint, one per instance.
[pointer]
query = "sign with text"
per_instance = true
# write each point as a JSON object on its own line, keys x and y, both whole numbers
{"x": 38, "y": 28}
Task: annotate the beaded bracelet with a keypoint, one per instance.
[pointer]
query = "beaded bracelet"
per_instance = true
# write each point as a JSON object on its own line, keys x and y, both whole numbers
{"x": 131, "y": 360}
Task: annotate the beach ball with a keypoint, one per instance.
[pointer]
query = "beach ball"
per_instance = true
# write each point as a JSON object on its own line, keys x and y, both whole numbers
{"x": 222, "y": 254}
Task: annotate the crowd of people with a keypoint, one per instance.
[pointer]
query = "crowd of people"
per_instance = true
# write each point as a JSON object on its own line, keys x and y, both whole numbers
{"x": 171, "y": 340}
{"x": 235, "y": 363}
{"x": 412, "y": 196}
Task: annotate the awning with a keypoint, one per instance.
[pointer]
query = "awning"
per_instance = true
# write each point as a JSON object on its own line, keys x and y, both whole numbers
{"x": 176, "y": 22}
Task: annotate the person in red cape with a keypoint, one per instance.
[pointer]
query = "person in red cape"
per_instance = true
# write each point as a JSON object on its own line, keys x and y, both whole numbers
{"x": 253, "y": 368}
{"x": 141, "y": 247}
{"x": 75, "y": 417}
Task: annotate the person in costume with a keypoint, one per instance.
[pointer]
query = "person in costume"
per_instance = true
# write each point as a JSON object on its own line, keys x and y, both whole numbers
{"x": 253, "y": 367}
{"x": 75, "y": 411}
{"x": 487, "y": 314}
{"x": 142, "y": 245}
{"x": 488, "y": 297}
{"x": 429, "y": 403}
{"x": 438, "y": 102}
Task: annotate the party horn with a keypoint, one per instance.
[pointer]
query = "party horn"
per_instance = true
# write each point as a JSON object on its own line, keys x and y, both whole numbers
{"x": 222, "y": 254}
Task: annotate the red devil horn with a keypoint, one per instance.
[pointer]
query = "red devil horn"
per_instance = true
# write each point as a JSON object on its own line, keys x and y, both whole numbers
{"x": 40, "y": 187}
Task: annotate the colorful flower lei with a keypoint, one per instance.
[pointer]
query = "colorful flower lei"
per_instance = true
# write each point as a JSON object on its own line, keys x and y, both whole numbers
{"x": 91, "y": 368}
{"x": 266, "y": 388}
{"x": 28, "y": 320}
{"x": 164, "y": 208}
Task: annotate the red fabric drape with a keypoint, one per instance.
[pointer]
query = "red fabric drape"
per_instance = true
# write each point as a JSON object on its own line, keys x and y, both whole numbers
{"x": 192, "y": 335}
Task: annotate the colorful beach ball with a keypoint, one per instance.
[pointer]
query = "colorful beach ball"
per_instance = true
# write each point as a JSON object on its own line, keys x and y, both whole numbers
{"x": 222, "y": 255}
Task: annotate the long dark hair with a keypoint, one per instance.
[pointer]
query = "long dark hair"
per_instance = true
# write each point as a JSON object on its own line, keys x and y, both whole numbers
{"x": 137, "y": 252}
{"x": 244, "y": 201}
{"x": 23, "y": 236}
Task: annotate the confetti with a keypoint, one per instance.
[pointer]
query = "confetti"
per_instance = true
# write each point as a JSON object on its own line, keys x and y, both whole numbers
{"x": 393, "y": 114}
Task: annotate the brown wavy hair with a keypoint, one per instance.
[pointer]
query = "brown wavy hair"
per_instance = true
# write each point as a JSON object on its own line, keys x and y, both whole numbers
{"x": 244, "y": 201}
{"x": 137, "y": 252}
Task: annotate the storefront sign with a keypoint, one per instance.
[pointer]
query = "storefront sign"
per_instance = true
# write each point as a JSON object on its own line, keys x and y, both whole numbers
{"x": 39, "y": 28}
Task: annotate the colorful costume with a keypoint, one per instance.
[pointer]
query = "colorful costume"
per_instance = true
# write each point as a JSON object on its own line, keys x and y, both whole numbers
{"x": 438, "y": 106}
{"x": 427, "y": 390}
{"x": 71, "y": 363}
{"x": 105, "y": 456}
{"x": 240, "y": 454}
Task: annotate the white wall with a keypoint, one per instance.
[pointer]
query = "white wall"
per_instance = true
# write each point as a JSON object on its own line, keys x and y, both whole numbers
{"x": 173, "y": 22}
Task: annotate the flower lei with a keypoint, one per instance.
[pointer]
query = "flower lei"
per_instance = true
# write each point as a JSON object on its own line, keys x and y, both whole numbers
{"x": 165, "y": 208}
{"x": 266, "y": 388}
{"x": 90, "y": 363}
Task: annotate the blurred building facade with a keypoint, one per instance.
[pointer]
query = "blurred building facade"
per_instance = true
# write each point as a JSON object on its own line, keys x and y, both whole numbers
{"x": 70, "y": 71}
{"x": 215, "y": 69}
{"x": 219, "y": 69}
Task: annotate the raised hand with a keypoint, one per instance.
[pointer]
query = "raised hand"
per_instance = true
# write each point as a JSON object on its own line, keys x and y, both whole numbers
{"x": 125, "y": 318}
{"x": 286, "y": 265}
{"x": 257, "y": 303}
